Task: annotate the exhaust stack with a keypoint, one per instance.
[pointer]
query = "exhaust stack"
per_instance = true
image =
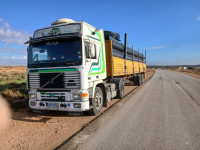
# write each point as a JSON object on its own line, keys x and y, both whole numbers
{"x": 125, "y": 46}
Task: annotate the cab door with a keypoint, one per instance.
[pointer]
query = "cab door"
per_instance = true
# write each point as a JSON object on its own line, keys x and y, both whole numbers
{"x": 92, "y": 60}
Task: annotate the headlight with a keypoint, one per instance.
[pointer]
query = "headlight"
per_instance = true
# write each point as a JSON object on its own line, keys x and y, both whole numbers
{"x": 76, "y": 96}
{"x": 32, "y": 95}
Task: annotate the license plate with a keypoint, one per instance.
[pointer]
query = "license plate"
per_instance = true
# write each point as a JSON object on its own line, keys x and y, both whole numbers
{"x": 52, "y": 105}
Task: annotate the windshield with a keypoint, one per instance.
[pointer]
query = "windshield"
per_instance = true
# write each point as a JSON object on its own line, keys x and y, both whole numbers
{"x": 55, "y": 53}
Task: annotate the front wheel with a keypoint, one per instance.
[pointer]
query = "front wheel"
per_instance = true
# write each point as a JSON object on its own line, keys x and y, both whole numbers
{"x": 97, "y": 102}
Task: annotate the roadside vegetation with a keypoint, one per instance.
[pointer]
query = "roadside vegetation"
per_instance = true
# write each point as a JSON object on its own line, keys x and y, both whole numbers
{"x": 191, "y": 70}
{"x": 13, "y": 84}
{"x": 149, "y": 69}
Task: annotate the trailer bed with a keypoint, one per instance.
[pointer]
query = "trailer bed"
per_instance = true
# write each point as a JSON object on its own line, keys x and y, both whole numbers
{"x": 120, "y": 67}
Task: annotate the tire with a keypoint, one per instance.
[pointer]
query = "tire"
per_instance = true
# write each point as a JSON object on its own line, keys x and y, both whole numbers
{"x": 133, "y": 79}
{"x": 112, "y": 34}
{"x": 138, "y": 80}
{"x": 135, "y": 82}
{"x": 121, "y": 89}
{"x": 97, "y": 102}
{"x": 120, "y": 85}
{"x": 142, "y": 78}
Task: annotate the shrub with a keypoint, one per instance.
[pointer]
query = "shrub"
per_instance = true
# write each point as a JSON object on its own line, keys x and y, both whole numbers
{"x": 13, "y": 93}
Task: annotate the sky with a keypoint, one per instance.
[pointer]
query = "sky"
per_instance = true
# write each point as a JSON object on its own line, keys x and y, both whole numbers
{"x": 169, "y": 30}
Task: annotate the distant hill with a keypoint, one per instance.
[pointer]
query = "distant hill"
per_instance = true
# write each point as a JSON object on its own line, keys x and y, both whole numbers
{"x": 172, "y": 66}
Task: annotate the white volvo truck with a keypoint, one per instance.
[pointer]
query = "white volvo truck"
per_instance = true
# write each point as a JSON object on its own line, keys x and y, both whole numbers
{"x": 67, "y": 69}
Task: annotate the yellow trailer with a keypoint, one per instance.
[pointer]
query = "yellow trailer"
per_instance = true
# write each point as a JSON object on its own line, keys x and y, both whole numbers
{"x": 121, "y": 67}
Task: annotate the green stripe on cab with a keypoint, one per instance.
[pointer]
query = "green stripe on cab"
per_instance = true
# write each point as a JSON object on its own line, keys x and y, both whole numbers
{"x": 53, "y": 70}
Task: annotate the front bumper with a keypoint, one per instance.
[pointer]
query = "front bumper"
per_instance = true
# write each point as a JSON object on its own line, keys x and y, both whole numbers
{"x": 59, "y": 106}
{"x": 58, "y": 100}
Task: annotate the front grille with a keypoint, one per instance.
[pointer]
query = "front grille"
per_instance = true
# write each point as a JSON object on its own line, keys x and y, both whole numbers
{"x": 34, "y": 80}
{"x": 72, "y": 80}
{"x": 62, "y": 80}
{"x": 51, "y": 80}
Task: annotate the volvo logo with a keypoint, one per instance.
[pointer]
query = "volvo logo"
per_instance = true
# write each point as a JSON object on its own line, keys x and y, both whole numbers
{"x": 50, "y": 80}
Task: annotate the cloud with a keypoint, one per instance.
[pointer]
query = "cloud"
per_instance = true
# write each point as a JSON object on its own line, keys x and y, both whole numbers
{"x": 6, "y": 25}
{"x": 154, "y": 47}
{"x": 13, "y": 50}
{"x": 18, "y": 58}
{"x": 22, "y": 60}
{"x": 198, "y": 18}
{"x": 10, "y": 36}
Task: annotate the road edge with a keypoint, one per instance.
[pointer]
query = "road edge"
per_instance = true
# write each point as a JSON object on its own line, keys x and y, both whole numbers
{"x": 132, "y": 92}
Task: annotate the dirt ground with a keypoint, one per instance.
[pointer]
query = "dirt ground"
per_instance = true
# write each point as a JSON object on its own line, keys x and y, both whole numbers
{"x": 30, "y": 131}
{"x": 190, "y": 74}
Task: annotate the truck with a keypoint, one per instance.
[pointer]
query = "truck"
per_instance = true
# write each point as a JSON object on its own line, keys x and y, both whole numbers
{"x": 75, "y": 67}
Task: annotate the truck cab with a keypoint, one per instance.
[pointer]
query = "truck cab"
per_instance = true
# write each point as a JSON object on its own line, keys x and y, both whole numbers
{"x": 65, "y": 63}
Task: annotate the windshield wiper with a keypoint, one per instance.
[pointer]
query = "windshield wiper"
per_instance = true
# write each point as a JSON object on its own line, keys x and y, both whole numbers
{"x": 36, "y": 65}
{"x": 72, "y": 62}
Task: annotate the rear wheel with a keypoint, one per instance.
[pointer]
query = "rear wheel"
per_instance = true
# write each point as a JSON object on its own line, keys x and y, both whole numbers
{"x": 135, "y": 82}
{"x": 121, "y": 89}
{"x": 120, "y": 85}
{"x": 97, "y": 102}
{"x": 139, "y": 80}
{"x": 142, "y": 78}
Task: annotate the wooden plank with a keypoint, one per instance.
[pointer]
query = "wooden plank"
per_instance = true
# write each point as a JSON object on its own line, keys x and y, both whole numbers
{"x": 116, "y": 66}
{"x": 109, "y": 61}
{"x": 129, "y": 67}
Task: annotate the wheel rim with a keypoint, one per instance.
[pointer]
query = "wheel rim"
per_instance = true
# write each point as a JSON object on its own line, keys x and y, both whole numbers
{"x": 98, "y": 100}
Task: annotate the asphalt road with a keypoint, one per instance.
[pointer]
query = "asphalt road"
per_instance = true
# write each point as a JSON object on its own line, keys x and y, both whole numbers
{"x": 163, "y": 114}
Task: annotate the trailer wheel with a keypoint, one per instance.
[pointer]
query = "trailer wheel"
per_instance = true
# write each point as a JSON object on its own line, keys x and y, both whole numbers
{"x": 97, "y": 102}
{"x": 142, "y": 78}
{"x": 121, "y": 89}
{"x": 139, "y": 80}
{"x": 135, "y": 82}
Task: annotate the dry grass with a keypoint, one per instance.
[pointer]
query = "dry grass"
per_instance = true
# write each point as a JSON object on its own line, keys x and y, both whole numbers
{"x": 13, "y": 82}
{"x": 13, "y": 93}
{"x": 11, "y": 69}
{"x": 190, "y": 71}
{"x": 149, "y": 69}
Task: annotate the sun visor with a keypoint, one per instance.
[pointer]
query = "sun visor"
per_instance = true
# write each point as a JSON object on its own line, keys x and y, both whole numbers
{"x": 58, "y": 30}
